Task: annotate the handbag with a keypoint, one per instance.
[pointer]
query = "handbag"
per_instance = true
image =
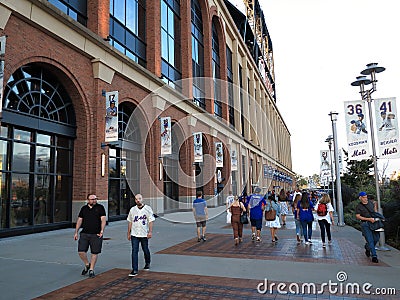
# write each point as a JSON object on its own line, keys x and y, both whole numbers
{"x": 378, "y": 225}
{"x": 270, "y": 215}
{"x": 243, "y": 218}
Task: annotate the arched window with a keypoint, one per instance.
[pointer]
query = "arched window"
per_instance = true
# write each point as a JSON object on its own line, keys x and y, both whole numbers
{"x": 36, "y": 147}
{"x": 197, "y": 54}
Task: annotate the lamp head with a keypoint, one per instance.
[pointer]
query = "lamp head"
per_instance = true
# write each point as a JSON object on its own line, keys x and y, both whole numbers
{"x": 361, "y": 81}
{"x": 333, "y": 115}
{"x": 372, "y": 68}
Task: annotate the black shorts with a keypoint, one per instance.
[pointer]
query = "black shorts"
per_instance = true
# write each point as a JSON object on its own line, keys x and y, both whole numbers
{"x": 257, "y": 223}
{"x": 93, "y": 240}
{"x": 201, "y": 221}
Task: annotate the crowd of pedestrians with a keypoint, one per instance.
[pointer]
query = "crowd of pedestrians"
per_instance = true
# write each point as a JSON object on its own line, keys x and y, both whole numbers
{"x": 258, "y": 207}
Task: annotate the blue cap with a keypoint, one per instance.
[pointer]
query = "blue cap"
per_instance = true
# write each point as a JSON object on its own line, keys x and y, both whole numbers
{"x": 362, "y": 194}
{"x": 112, "y": 101}
{"x": 361, "y": 115}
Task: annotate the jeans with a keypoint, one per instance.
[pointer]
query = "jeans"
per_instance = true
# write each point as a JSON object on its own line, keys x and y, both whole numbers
{"x": 307, "y": 230}
{"x": 371, "y": 237}
{"x": 135, "y": 251}
{"x": 299, "y": 230}
{"x": 324, "y": 225}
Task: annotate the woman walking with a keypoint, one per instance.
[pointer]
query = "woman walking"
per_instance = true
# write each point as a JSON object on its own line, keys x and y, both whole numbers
{"x": 236, "y": 210}
{"x": 284, "y": 207}
{"x": 325, "y": 218}
{"x": 295, "y": 210}
{"x": 306, "y": 216}
{"x": 275, "y": 224}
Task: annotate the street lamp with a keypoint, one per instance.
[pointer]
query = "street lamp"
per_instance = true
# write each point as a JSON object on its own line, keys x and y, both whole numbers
{"x": 329, "y": 141}
{"x": 361, "y": 81}
{"x": 333, "y": 116}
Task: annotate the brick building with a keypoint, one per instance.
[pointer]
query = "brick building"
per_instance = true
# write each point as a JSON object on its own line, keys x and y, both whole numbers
{"x": 195, "y": 107}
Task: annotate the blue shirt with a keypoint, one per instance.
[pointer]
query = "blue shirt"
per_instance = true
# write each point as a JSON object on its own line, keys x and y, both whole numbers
{"x": 306, "y": 215}
{"x": 255, "y": 204}
{"x": 199, "y": 205}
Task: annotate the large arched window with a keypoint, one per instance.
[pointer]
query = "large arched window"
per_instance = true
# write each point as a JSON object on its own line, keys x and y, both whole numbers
{"x": 216, "y": 72}
{"x": 197, "y": 54}
{"x": 36, "y": 147}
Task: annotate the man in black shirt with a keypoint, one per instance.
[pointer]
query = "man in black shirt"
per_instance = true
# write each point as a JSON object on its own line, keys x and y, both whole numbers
{"x": 92, "y": 218}
{"x": 363, "y": 213}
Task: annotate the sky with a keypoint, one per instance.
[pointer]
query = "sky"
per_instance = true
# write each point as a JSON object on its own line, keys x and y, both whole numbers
{"x": 319, "y": 48}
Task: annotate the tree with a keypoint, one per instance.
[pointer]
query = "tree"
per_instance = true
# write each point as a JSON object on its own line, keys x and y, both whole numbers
{"x": 358, "y": 174}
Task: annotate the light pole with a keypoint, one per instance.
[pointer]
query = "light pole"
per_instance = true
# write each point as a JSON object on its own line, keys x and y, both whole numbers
{"x": 361, "y": 81}
{"x": 333, "y": 116}
{"x": 329, "y": 141}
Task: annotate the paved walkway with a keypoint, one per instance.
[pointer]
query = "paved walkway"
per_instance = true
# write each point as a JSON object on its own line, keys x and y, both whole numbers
{"x": 46, "y": 265}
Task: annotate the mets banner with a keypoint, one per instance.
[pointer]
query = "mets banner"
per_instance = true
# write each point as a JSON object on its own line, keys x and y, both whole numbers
{"x": 198, "y": 146}
{"x": 387, "y": 128}
{"x": 219, "y": 156}
{"x": 166, "y": 147}
{"x": 357, "y": 130}
{"x": 325, "y": 167}
{"x": 111, "y": 116}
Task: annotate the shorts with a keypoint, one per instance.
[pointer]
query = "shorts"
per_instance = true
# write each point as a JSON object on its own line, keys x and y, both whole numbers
{"x": 257, "y": 223}
{"x": 201, "y": 222}
{"x": 93, "y": 240}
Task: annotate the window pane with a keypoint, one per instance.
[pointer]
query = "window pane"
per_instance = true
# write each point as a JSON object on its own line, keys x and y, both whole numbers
{"x": 40, "y": 206}
{"x": 63, "y": 162}
{"x": 131, "y": 16}
{"x": 62, "y": 194}
{"x": 119, "y": 10}
{"x": 21, "y": 157}
{"x": 171, "y": 22}
{"x": 42, "y": 160}
{"x": 4, "y": 131}
{"x": 43, "y": 139}
{"x": 20, "y": 206}
{"x": 3, "y": 200}
{"x": 113, "y": 197}
{"x": 22, "y": 135}
{"x": 3, "y": 155}
{"x": 164, "y": 45}
{"x": 112, "y": 165}
{"x": 164, "y": 12}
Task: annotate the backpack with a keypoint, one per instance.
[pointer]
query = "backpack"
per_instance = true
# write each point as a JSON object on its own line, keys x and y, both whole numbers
{"x": 322, "y": 209}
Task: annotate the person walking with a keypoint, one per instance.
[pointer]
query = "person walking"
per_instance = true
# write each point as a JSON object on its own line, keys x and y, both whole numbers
{"x": 363, "y": 213}
{"x": 306, "y": 216}
{"x": 236, "y": 209}
{"x": 92, "y": 219}
{"x": 256, "y": 206}
{"x": 325, "y": 218}
{"x": 295, "y": 210}
{"x": 200, "y": 212}
{"x": 140, "y": 228}
{"x": 283, "y": 206}
{"x": 229, "y": 201}
{"x": 275, "y": 224}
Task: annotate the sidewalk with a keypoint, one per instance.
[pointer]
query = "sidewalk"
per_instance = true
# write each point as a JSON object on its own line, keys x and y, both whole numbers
{"x": 35, "y": 265}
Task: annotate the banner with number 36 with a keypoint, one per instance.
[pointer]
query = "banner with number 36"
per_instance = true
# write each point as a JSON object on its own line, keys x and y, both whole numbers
{"x": 357, "y": 130}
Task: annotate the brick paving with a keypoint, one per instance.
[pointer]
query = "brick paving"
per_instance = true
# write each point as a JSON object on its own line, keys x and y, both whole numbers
{"x": 341, "y": 251}
{"x": 115, "y": 284}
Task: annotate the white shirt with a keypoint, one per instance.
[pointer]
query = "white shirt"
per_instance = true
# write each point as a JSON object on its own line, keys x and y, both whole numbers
{"x": 140, "y": 219}
{"x": 329, "y": 208}
{"x": 229, "y": 201}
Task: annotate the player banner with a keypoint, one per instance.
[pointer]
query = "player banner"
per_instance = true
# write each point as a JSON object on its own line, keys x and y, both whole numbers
{"x": 234, "y": 160}
{"x": 219, "y": 156}
{"x": 111, "y": 117}
{"x": 198, "y": 146}
{"x": 357, "y": 130}
{"x": 387, "y": 128}
{"x": 166, "y": 145}
{"x": 325, "y": 167}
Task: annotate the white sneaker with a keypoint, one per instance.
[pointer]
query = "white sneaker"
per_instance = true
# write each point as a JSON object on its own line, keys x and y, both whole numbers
{"x": 329, "y": 242}
{"x": 307, "y": 243}
{"x": 323, "y": 245}
{"x": 310, "y": 241}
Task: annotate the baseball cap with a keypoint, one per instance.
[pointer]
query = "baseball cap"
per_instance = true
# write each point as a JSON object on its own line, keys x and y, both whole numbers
{"x": 362, "y": 194}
